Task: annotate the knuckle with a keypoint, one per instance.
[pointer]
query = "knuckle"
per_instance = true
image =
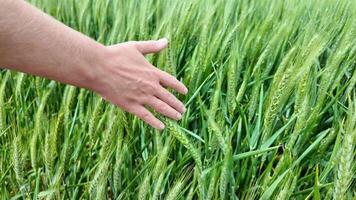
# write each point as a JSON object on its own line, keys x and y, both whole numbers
{"x": 130, "y": 46}
{"x": 155, "y": 45}
{"x": 130, "y": 109}
{"x": 147, "y": 87}
{"x": 175, "y": 82}
{"x": 176, "y": 103}
{"x": 171, "y": 99}
{"x": 142, "y": 99}
{"x": 150, "y": 87}
{"x": 171, "y": 78}
{"x": 154, "y": 73}
{"x": 145, "y": 116}
{"x": 164, "y": 108}
{"x": 181, "y": 105}
{"x": 165, "y": 76}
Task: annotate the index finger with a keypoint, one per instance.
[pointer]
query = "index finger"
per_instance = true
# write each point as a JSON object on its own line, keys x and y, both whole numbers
{"x": 170, "y": 81}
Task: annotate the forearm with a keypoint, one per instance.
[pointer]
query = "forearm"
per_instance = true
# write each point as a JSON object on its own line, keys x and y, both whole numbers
{"x": 35, "y": 43}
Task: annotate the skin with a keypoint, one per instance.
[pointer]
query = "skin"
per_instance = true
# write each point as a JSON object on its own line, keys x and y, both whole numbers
{"x": 33, "y": 42}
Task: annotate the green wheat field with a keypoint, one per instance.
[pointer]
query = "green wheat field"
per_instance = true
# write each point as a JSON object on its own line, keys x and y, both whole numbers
{"x": 271, "y": 108}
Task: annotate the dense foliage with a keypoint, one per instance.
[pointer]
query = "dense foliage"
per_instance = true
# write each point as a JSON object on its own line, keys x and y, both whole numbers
{"x": 271, "y": 109}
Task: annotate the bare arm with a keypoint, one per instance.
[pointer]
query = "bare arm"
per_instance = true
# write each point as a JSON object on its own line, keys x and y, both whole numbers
{"x": 35, "y": 43}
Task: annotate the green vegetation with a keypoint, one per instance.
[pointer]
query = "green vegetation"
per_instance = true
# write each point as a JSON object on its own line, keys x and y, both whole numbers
{"x": 271, "y": 109}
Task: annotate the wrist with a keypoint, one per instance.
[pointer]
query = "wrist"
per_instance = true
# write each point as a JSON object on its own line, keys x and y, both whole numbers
{"x": 93, "y": 68}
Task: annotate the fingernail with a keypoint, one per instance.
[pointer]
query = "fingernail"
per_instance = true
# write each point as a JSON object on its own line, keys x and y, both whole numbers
{"x": 178, "y": 116}
{"x": 184, "y": 109}
{"x": 161, "y": 126}
{"x": 163, "y": 41}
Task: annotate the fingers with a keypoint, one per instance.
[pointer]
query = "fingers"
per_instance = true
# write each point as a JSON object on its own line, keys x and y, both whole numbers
{"x": 170, "y": 99}
{"x": 141, "y": 112}
{"x": 170, "y": 81}
{"x": 151, "y": 46}
{"x": 163, "y": 108}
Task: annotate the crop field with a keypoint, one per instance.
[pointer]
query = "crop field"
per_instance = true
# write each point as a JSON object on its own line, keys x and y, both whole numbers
{"x": 271, "y": 107}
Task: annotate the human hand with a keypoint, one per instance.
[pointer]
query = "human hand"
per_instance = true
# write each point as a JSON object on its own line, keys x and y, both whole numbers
{"x": 37, "y": 44}
{"x": 126, "y": 79}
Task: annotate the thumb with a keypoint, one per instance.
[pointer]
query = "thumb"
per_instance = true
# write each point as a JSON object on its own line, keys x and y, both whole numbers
{"x": 152, "y": 46}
